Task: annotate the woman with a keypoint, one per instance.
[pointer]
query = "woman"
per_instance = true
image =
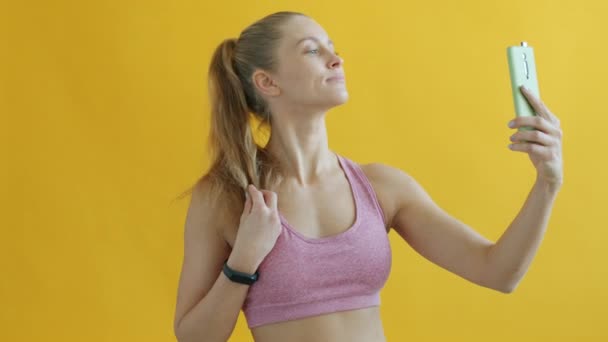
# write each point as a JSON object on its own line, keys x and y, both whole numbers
{"x": 307, "y": 228}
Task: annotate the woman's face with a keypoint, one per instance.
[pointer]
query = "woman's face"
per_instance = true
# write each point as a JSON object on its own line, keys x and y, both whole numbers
{"x": 307, "y": 62}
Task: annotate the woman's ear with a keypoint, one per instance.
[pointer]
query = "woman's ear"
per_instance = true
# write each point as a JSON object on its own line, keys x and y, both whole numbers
{"x": 265, "y": 84}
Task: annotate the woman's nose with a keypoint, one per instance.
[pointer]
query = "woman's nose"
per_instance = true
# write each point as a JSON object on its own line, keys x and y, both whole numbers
{"x": 336, "y": 61}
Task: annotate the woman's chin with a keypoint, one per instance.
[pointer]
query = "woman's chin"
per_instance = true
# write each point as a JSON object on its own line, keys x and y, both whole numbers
{"x": 338, "y": 100}
{"x": 341, "y": 98}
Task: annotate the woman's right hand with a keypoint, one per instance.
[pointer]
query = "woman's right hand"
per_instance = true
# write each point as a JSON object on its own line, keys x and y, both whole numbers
{"x": 259, "y": 229}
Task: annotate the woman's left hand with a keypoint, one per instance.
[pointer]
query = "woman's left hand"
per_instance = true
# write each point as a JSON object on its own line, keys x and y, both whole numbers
{"x": 544, "y": 144}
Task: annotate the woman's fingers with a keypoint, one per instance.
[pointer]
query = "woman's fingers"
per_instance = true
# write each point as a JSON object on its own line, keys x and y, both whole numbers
{"x": 537, "y": 137}
{"x": 539, "y": 107}
{"x": 271, "y": 199}
{"x": 537, "y": 122}
{"x": 247, "y": 207}
{"x": 257, "y": 198}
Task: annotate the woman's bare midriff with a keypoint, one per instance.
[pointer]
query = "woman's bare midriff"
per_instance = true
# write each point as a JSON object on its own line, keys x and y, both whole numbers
{"x": 360, "y": 325}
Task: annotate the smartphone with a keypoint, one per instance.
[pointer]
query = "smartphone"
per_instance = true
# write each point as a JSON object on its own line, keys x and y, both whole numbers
{"x": 522, "y": 71}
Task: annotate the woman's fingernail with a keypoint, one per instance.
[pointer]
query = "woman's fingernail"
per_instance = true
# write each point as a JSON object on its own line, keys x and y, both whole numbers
{"x": 511, "y": 124}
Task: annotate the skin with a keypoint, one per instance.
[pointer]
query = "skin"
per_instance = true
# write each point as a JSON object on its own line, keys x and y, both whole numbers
{"x": 300, "y": 95}
{"x": 334, "y": 204}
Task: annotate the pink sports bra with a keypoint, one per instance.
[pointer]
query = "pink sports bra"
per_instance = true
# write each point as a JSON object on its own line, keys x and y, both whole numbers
{"x": 303, "y": 276}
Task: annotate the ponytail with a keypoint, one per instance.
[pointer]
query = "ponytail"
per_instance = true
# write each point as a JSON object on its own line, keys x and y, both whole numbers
{"x": 236, "y": 159}
{"x": 231, "y": 141}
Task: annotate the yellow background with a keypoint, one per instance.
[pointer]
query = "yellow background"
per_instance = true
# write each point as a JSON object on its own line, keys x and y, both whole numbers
{"x": 105, "y": 112}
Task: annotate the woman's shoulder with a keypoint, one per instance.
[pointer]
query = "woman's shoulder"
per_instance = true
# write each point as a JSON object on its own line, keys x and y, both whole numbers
{"x": 383, "y": 173}
{"x": 379, "y": 176}
{"x": 222, "y": 208}
{"x": 389, "y": 183}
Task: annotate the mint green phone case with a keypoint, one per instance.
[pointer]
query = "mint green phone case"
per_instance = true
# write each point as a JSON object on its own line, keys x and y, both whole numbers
{"x": 522, "y": 71}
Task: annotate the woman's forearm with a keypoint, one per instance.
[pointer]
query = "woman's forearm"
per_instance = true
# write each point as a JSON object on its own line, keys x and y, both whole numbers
{"x": 510, "y": 257}
{"x": 214, "y": 317}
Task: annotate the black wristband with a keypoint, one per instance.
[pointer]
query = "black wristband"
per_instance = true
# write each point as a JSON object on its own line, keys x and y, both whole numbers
{"x": 239, "y": 277}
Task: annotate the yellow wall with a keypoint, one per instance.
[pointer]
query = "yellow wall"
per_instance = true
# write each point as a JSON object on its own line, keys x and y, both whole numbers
{"x": 104, "y": 115}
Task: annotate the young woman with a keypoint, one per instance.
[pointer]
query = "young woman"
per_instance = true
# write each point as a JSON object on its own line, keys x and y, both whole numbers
{"x": 294, "y": 234}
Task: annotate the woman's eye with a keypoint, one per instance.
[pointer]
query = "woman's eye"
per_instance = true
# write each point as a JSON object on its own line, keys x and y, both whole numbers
{"x": 337, "y": 53}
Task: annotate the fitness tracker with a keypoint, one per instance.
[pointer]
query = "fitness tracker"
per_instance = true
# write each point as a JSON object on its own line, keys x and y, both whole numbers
{"x": 239, "y": 277}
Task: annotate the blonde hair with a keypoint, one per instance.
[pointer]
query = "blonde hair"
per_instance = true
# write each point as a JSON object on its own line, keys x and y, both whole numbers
{"x": 236, "y": 159}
